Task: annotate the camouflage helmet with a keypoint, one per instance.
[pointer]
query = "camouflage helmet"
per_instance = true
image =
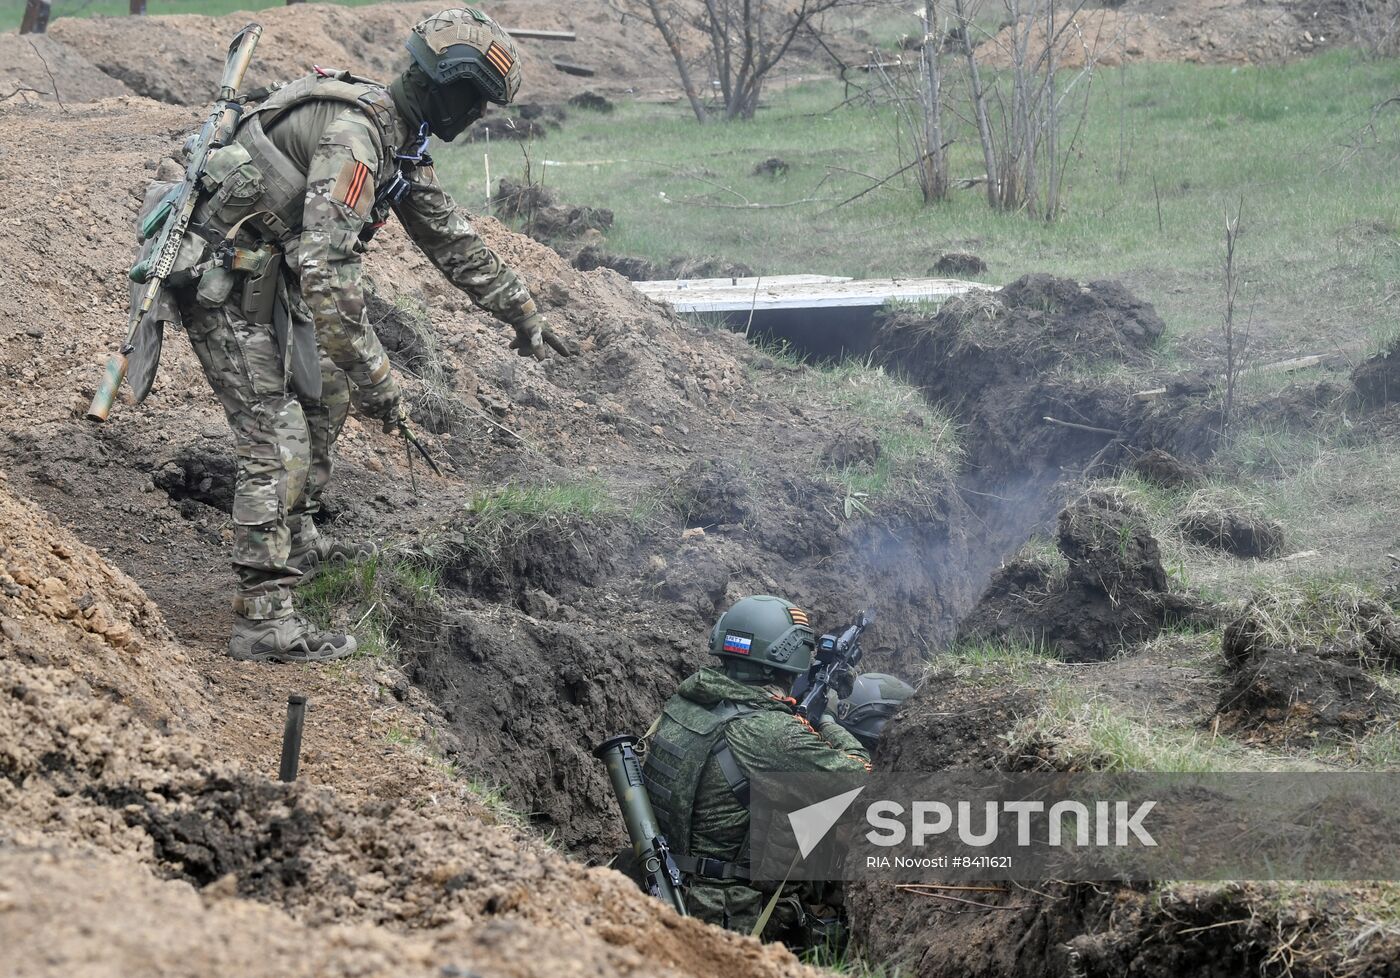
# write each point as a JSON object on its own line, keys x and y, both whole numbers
{"x": 465, "y": 44}
{"x": 875, "y": 698}
{"x": 765, "y": 631}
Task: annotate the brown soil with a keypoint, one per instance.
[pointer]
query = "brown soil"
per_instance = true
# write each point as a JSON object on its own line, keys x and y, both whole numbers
{"x": 1240, "y": 534}
{"x": 125, "y": 763}
{"x": 1192, "y": 31}
{"x": 1376, "y": 381}
{"x": 1287, "y": 688}
{"x": 178, "y": 58}
{"x": 1166, "y": 470}
{"x": 34, "y": 67}
{"x": 1112, "y": 596}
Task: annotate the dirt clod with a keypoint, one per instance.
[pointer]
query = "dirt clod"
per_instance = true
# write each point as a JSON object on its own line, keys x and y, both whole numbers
{"x": 1113, "y": 594}
{"x": 591, "y": 101}
{"x": 774, "y": 166}
{"x": 1376, "y": 382}
{"x": 1241, "y": 534}
{"x": 1164, "y": 469}
{"x": 958, "y": 263}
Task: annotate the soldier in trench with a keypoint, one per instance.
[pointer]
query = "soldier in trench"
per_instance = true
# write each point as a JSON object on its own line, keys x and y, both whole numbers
{"x": 725, "y": 725}
{"x": 275, "y": 305}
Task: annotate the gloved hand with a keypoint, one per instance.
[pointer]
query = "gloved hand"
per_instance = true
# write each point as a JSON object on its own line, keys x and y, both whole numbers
{"x": 828, "y": 712}
{"x": 396, "y": 419}
{"x": 534, "y": 334}
{"x": 529, "y": 337}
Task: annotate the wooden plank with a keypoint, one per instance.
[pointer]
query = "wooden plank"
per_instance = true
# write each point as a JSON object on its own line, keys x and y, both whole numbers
{"x": 535, "y": 35}
{"x": 36, "y": 17}
{"x": 569, "y": 68}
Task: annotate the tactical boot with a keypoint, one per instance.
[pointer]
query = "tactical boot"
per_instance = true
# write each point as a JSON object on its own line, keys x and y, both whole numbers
{"x": 321, "y": 552}
{"x": 290, "y": 639}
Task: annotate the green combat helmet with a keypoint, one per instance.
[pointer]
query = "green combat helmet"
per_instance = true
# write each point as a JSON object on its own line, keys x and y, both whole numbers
{"x": 463, "y": 44}
{"x": 875, "y": 698}
{"x": 761, "y": 633}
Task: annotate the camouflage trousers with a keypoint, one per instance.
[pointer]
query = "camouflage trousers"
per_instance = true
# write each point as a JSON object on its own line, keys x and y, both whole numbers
{"x": 735, "y": 906}
{"x": 284, "y": 445}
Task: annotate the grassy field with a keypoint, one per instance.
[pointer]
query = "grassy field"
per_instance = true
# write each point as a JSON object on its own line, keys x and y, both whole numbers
{"x": 12, "y": 10}
{"x": 1319, "y": 250}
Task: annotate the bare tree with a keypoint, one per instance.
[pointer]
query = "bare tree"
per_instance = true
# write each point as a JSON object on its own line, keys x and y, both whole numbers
{"x": 663, "y": 14}
{"x": 1022, "y": 113}
{"x": 742, "y": 42}
{"x": 1236, "y": 337}
{"x": 933, "y": 162}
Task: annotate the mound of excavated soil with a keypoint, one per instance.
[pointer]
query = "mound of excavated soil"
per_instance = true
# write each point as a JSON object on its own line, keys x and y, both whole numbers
{"x": 1113, "y": 594}
{"x": 1192, "y": 31}
{"x": 179, "y": 58}
{"x": 39, "y": 67}
{"x": 102, "y": 797}
{"x": 1376, "y": 382}
{"x": 1166, "y": 470}
{"x": 1297, "y": 672}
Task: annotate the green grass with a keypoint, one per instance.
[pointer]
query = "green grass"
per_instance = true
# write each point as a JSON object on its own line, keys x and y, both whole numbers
{"x": 990, "y": 663}
{"x": 352, "y": 597}
{"x": 1087, "y": 732}
{"x": 916, "y": 441}
{"x": 1319, "y": 251}
{"x": 12, "y": 10}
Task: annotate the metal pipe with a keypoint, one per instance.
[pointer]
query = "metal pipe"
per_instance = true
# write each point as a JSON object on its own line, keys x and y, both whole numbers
{"x": 291, "y": 737}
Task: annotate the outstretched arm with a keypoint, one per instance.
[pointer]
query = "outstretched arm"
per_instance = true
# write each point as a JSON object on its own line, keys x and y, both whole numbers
{"x": 442, "y": 231}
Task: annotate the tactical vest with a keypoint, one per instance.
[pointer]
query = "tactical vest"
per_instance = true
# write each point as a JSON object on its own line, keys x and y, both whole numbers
{"x": 283, "y": 182}
{"x": 687, "y": 736}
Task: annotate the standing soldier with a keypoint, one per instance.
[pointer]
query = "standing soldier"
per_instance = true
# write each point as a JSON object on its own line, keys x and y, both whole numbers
{"x": 315, "y": 168}
{"x": 723, "y": 727}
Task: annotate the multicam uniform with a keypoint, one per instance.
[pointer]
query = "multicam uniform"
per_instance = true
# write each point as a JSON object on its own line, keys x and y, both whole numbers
{"x": 317, "y": 150}
{"x": 699, "y": 793}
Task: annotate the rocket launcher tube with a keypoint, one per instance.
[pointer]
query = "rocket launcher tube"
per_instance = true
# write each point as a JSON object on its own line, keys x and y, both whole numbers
{"x": 217, "y": 130}
{"x": 663, "y": 879}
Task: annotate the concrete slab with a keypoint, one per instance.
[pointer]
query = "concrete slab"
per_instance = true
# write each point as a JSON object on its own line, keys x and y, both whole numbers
{"x": 812, "y": 292}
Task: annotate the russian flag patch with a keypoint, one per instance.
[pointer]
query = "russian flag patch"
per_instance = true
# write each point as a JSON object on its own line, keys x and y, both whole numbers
{"x": 739, "y": 643}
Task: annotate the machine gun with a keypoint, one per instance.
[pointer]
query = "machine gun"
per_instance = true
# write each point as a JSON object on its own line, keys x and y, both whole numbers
{"x": 834, "y": 666}
{"x": 653, "y": 852}
{"x": 171, "y": 219}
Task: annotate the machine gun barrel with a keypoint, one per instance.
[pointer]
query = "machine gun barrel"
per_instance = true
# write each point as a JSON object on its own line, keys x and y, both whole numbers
{"x": 663, "y": 879}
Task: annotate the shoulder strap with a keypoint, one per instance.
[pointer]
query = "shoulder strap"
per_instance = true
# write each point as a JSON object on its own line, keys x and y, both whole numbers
{"x": 370, "y": 98}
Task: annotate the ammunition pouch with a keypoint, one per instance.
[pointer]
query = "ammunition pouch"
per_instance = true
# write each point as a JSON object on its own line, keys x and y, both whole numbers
{"x": 234, "y": 182}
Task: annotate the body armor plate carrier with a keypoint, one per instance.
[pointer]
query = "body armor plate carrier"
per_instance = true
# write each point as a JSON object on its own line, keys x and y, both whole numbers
{"x": 685, "y": 740}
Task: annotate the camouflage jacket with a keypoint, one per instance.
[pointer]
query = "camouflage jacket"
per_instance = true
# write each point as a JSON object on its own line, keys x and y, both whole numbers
{"x": 771, "y": 738}
{"x": 346, "y": 152}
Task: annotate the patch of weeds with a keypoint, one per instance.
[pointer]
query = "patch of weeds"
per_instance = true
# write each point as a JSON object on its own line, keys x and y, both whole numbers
{"x": 399, "y": 736}
{"x": 352, "y": 597}
{"x": 846, "y": 960}
{"x": 544, "y": 500}
{"x": 492, "y": 797}
{"x": 993, "y": 663}
{"x": 1085, "y": 732}
{"x": 915, "y": 440}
